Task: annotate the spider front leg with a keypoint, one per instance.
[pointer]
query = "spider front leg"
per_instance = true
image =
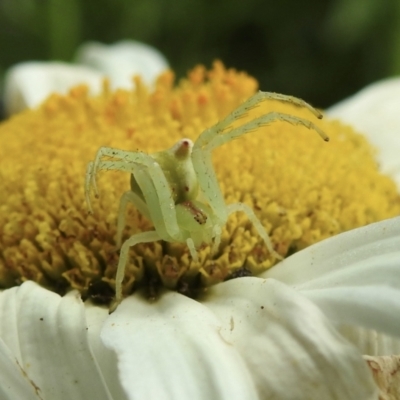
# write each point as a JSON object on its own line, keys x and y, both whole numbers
{"x": 154, "y": 185}
{"x": 88, "y": 183}
{"x": 157, "y": 203}
{"x": 209, "y": 134}
{"x": 218, "y": 134}
{"x": 156, "y": 192}
{"x": 131, "y": 158}
{"x": 91, "y": 171}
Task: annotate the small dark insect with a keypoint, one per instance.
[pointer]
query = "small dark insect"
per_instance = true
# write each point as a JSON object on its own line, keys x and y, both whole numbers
{"x": 100, "y": 292}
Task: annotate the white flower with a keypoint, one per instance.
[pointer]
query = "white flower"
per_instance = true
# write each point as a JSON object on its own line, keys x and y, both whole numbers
{"x": 299, "y": 331}
{"x": 275, "y": 336}
{"x": 374, "y": 111}
{"x": 123, "y": 60}
{"x": 29, "y": 83}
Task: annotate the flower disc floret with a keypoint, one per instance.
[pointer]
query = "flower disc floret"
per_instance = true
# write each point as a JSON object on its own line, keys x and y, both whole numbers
{"x": 302, "y": 189}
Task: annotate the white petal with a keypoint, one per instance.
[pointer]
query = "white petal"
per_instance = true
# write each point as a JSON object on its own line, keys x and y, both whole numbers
{"x": 47, "y": 334}
{"x": 29, "y": 84}
{"x": 354, "y": 278}
{"x": 173, "y": 349}
{"x": 373, "y": 307}
{"x": 288, "y": 344}
{"x": 375, "y": 112}
{"x": 369, "y": 341}
{"x": 14, "y": 382}
{"x": 106, "y": 358}
{"x": 121, "y": 61}
{"x": 340, "y": 260}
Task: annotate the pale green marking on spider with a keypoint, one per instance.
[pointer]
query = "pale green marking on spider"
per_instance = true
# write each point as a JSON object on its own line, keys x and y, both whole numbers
{"x": 177, "y": 189}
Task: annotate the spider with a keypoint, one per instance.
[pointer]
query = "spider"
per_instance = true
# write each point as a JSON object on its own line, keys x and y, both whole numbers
{"x": 177, "y": 189}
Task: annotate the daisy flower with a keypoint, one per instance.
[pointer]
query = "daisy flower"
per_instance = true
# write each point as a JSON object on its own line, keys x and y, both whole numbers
{"x": 29, "y": 83}
{"x": 238, "y": 325}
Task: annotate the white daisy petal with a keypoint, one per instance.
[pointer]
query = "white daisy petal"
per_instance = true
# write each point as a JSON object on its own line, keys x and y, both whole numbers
{"x": 354, "y": 278}
{"x": 369, "y": 341}
{"x": 122, "y": 60}
{"x": 105, "y": 357}
{"x": 288, "y": 344}
{"x": 14, "y": 382}
{"x": 374, "y": 111}
{"x": 357, "y": 257}
{"x": 48, "y": 336}
{"x": 370, "y": 307}
{"x": 173, "y": 349}
{"x": 29, "y": 84}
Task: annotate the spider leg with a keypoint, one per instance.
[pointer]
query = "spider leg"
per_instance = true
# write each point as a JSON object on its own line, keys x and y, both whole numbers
{"x": 144, "y": 237}
{"x": 157, "y": 194}
{"x": 217, "y": 239}
{"x": 93, "y": 166}
{"x": 257, "y": 224}
{"x": 161, "y": 209}
{"x": 288, "y": 99}
{"x": 192, "y": 249}
{"x": 129, "y": 161}
{"x": 220, "y": 138}
{"x": 209, "y": 185}
{"x": 88, "y": 180}
{"x": 244, "y": 108}
{"x": 127, "y": 197}
{"x": 201, "y": 156}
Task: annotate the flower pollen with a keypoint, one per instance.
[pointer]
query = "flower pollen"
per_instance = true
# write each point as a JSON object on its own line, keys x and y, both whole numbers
{"x": 302, "y": 189}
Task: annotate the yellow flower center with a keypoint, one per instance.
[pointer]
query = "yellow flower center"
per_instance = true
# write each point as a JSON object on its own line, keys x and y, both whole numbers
{"x": 302, "y": 189}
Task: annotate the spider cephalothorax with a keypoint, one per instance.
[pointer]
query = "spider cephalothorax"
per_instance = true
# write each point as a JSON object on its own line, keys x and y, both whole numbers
{"x": 177, "y": 189}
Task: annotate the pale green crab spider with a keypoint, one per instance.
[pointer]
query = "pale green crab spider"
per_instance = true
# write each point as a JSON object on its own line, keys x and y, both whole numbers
{"x": 177, "y": 189}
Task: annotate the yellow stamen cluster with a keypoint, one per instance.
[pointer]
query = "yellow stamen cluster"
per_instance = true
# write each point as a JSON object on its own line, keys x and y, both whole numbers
{"x": 301, "y": 188}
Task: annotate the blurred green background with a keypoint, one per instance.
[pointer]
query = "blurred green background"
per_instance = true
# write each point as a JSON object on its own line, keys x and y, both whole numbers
{"x": 320, "y": 50}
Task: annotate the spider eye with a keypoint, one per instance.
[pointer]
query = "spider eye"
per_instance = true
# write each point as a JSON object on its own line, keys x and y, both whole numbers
{"x": 183, "y": 148}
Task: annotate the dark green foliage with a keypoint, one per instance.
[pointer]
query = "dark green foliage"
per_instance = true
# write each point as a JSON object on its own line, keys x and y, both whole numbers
{"x": 318, "y": 50}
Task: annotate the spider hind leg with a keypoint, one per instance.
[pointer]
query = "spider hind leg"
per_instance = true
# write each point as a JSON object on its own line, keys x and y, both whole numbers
{"x": 129, "y": 197}
{"x": 235, "y": 207}
{"x": 144, "y": 237}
